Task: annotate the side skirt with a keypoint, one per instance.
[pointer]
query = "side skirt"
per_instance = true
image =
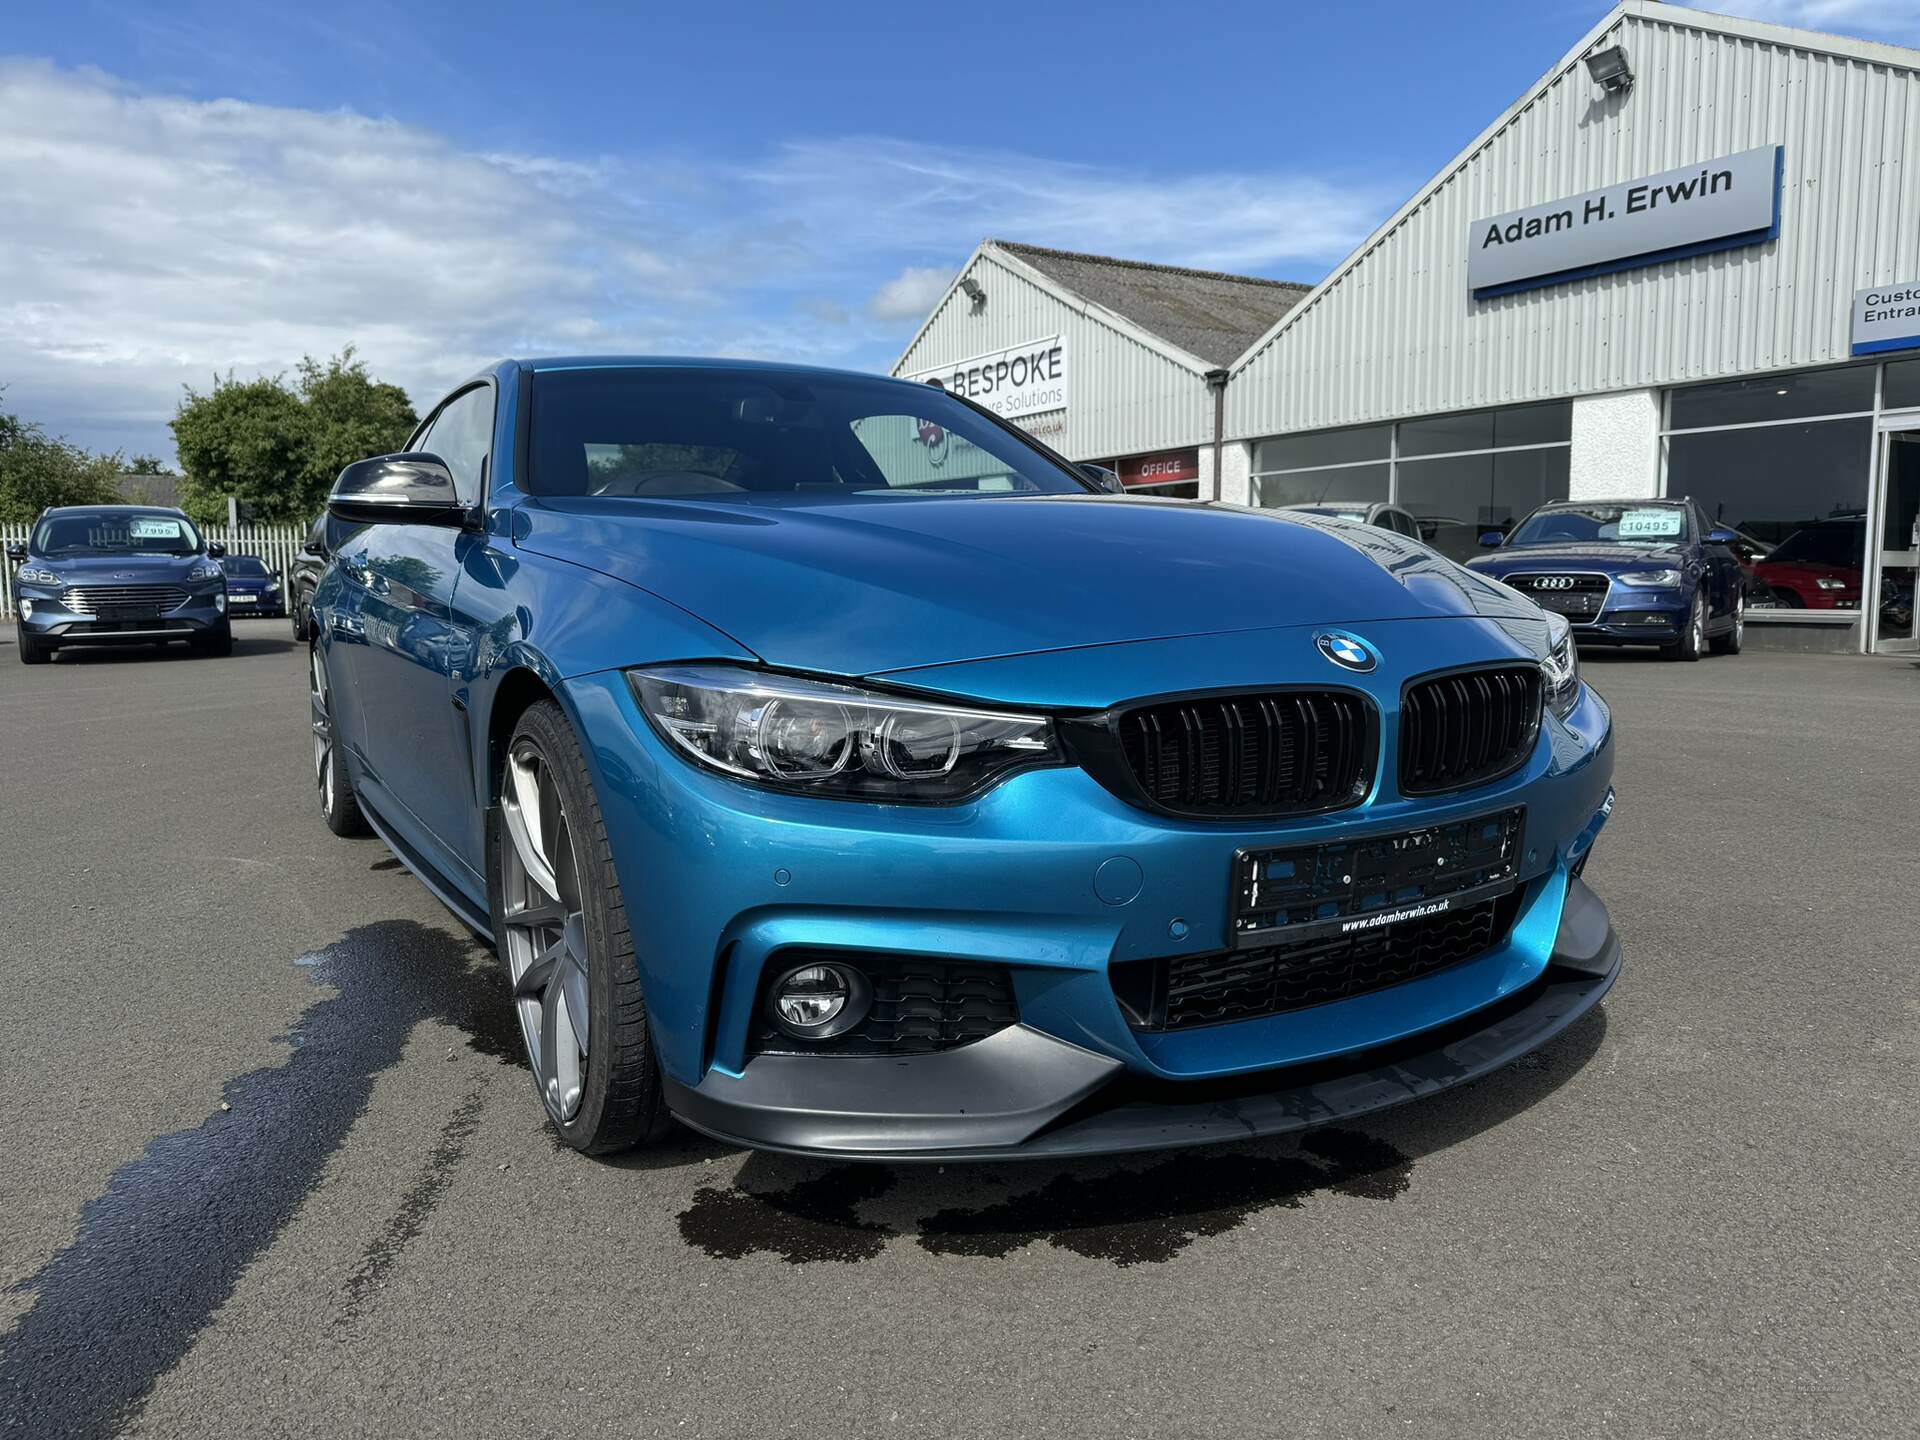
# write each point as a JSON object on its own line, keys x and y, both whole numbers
{"x": 441, "y": 888}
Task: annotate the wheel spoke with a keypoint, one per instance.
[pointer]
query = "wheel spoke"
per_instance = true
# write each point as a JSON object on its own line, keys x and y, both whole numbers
{"x": 522, "y": 807}
{"x": 565, "y": 871}
{"x": 538, "y": 977}
{"x": 573, "y": 978}
{"x": 550, "y": 1050}
{"x": 538, "y": 914}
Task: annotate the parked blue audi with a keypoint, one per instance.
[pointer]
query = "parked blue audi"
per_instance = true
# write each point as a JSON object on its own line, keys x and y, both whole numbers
{"x": 1628, "y": 572}
{"x": 117, "y": 575}
{"x": 838, "y": 771}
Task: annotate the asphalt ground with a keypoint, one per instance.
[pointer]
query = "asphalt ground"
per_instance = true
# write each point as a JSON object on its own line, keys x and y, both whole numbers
{"x": 271, "y": 1166}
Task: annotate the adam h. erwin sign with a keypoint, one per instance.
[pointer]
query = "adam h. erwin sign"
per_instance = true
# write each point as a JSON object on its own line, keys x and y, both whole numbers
{"x": 1734, "y": 200}
{"x": 1028, "y": 379}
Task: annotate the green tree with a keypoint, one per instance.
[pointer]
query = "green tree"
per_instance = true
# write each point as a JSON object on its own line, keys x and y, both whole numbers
{"x": 37, "y": 471}
{"x": 146, "y": 465}
{"x": 277, "y": 447}
{"x": 349, "y": 416}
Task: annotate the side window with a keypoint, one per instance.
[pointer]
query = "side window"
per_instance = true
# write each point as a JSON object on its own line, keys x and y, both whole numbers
{"x": 461, "y": 434}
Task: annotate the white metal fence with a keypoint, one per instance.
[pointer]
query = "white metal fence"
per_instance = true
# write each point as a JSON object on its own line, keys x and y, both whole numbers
{"x": 276, "y": 545}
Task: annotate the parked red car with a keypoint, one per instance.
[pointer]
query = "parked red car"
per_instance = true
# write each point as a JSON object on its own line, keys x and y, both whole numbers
{"x": 1817, "y": 568}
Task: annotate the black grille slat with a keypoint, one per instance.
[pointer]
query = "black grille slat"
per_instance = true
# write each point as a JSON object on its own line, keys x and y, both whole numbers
{"x": 1467, "y": 729}
{"x": 1217, "y": 989}
{"x": 1274, "y": 753}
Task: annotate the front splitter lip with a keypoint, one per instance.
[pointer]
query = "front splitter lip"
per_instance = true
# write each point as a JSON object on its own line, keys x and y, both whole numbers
{"x": 1052, "y": 1101}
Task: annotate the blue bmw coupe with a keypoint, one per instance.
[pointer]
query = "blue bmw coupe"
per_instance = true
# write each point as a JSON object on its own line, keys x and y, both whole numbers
{"x": 839, "y": 771}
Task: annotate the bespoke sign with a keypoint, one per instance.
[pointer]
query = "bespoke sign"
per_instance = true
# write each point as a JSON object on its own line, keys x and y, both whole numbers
{"x": 1886, "y": 317}
{"x": 1029, "y": 379}
{"x": 1718, "y": 205}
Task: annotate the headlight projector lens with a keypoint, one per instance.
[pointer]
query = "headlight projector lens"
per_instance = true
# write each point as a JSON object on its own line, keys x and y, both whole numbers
{"x": 819, "y": 1001}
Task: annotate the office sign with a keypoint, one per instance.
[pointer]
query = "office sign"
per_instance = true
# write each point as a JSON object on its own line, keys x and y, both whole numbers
{"x": 1717, "y": 205}
{"x": 1886, "y": 317}
{"x": 1029, "y": 379}
{"x": 1170, "y": 467}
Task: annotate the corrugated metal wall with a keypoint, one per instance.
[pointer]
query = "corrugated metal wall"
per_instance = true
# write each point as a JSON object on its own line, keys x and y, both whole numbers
{"x": 1399, "y": 335}
{"x": 1123, "y": 397}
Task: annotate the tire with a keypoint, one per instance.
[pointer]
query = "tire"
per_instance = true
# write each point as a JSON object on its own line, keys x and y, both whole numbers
{"x": 1693, "y": 644}
{"x": 339, "y": 807}
{"x": 214, "y": 642}
{"x": 33, "y": 650}
{"x": 297, "y": 610}
{"x": 1736, "y": 634}
{"x": 578, "y": 951}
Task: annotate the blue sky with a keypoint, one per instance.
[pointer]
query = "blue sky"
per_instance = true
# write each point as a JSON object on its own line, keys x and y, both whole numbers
{"x": 203, "y": 186}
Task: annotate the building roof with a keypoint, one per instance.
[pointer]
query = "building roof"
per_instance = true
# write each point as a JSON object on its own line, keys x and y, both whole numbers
{"x": 1210, "y": 315}
{"x": 138, "y": 489}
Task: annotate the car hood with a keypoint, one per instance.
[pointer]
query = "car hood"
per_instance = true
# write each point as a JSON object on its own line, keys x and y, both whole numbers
{"x": 121, "y": 569}
{"x": 249, "y": 582}
{"x": 1609, "y": 559}
{"x": 866, "y": 585}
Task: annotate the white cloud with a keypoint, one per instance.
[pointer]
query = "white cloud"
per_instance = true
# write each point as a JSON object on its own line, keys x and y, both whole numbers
{"x": 882, "y": 193}
{"x": 1894, "y": 20}
{"x": 909, "y": 295}
{"x": 150, "y": 240}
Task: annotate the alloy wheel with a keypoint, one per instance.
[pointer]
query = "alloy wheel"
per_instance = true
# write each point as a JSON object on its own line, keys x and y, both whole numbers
{"x": 546, "y": 934}
{"x": 1699, "y": 622}
{"x": 322, "y": 730}
{"x": 1739, "y": 620}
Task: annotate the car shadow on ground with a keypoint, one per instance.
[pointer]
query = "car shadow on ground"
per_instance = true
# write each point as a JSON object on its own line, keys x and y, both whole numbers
{"x": 1130, "y": 1210}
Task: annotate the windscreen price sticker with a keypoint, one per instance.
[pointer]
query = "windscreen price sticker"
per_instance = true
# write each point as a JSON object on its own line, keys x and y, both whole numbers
{"x": 154, "y": 529}
{"x": 1662, "y": 524}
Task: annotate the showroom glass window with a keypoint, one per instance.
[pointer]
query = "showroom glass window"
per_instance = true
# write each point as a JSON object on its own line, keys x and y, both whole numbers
{"x": 1785, "y": 461}
{"x": 1459, "y": 474}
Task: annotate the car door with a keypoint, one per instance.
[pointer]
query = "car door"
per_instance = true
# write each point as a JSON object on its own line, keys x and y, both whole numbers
{"x": 412, "y": 643}
{"x": 1724, "y": 575}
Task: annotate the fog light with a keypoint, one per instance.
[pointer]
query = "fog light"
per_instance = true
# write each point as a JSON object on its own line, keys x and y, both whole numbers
{"x": 26, "y": 609}
{"x": 220, "y": 603}
{"x": 818, "y": 1001}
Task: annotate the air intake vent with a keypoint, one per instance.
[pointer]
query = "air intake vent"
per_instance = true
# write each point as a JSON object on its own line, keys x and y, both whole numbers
{"x": 1287, "y": 752}
{"x": 1468, "y": 728}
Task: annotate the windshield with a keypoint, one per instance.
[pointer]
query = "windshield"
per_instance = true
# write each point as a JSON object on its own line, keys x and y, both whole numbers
{"x": 115, "y": 532}
{"x": 1602, "y": 525}
{"x": 754, "y": 437}
{"x": 243, "y": 565}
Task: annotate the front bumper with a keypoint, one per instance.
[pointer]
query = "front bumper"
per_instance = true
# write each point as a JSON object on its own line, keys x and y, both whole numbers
{"x": 728, "y": 881}
{"x": 52, "y": 620}
{"x": 1638, "y": 617}
{"x": 1025, "y": 1095}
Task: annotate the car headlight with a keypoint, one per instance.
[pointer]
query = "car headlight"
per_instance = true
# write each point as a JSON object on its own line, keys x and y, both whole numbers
{"x": 1560, "y": 669}
{"x": 1649, "y": 577}
{"x": 822, "y": 738}
{"x": 36, "y": 575}
{"x": 207, "y": 570}
{"x": 1826, "y": 582}
{"x": 272, "y": 585}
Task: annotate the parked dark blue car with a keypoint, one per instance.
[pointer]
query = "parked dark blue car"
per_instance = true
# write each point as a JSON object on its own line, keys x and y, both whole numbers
{"x": 838, "y": 770}
{"x": 253, "y": 589}
{"x": 1628, "y": 572}
{"x": 118, "y": 575}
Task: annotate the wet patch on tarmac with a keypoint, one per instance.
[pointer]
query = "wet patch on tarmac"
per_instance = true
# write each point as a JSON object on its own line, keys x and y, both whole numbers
{"x": 812, "y": 1220}
{"x": 1129, "y": 1217}
{"x": 422, "y": 1196}
{"x": 160, "y": 1250}
{"x": 1146, "y": 1217}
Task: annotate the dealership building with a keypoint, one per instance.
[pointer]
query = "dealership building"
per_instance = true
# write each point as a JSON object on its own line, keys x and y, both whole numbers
{"x": 1686, "y": 261}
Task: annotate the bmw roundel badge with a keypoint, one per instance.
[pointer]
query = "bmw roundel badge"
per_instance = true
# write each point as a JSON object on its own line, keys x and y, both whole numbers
{"x": 1349, "y": 652}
